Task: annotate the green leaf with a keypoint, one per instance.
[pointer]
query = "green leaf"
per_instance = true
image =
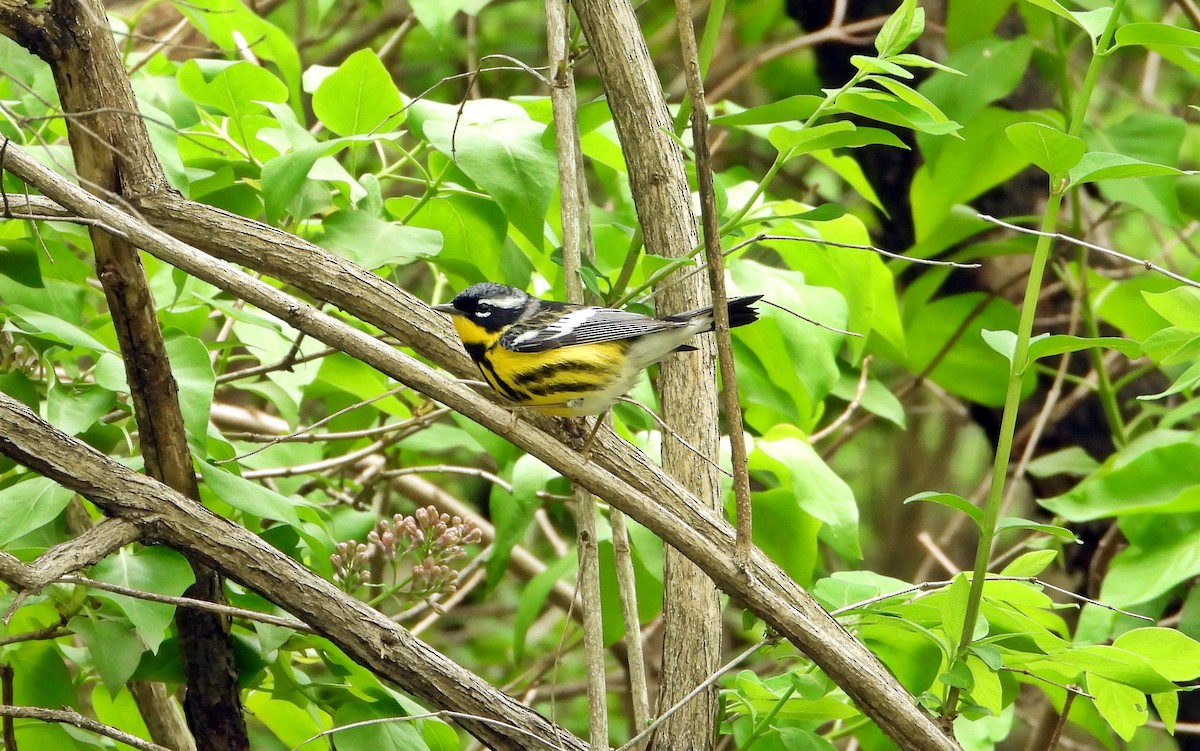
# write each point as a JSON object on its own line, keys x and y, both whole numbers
{"x": 900, "y": 29}
{"x": 991, "y": 70}
{"x": 1030, "y": 564}
{"x": 1048, "y": 345}
{"x": 1102, "y": 165}
{"x": 74, "y": 408}
{"x": 1180, "y": 306}
{"x": 284, "y": 176}
{"x": 817, "y": 490}
{"x": 1049, "y": 148}
{"x": 114, "y": 648}
{"x": 1155, "y": 35}
{"x": 31, "y": 503}
{"x": 512, "y": 513}
{"x": 1092, "y": 22}
{"x": 230, "y": 25}
{"x": 191, "y": 364}
{"x": 1073, "y": 460}
{"x": 371, "y": 242}
{"x": 1123, "y": 707}
{"x": 501, "y": 150}
{"x": 1174, "y": 655}
{"x": 533, "y": 601}
{"x": 916, "y": 61}
{"x": 838, "y": 135}
{"x": 359, "y": 97}
{"x": 967, "y": 22}
{"x": 248, "y": 496}
{"x": 236, "y": 89}
{"x": 796, "y": 108}
{"x": 473, "y": 232}
{"x": 1185, "y": 382}
{"x": 868, "y": 64}
{"x": 52, "y": 328}
{"x": 1137, "y": 480}
{"x": 956, "y": 502}
{"x": 397, "y": 735}
{"x": 437, "y": 16}
{"x": 888, "y": 108}
{"x": 1166, "y": 705}
{"x": 1013, "y": 522}
{"x": 159, "y": 570}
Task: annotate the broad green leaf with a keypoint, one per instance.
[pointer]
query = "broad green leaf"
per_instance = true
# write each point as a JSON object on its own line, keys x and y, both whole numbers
{"x": 1049, "y": 148}
{"x": 816, "y": 489}
{"x": 503, "y": 153}
{"x": 969, "y": 367}
{"x": 236, "y": 89}
{"x": 1155, "y": 35}
{"x": 1115, "y": 664}
{"x": 785, "y": 532}
{"x": 1136, "y": 481}
{"x": 1172, "y": 654}
{"x": 231, "y": 25}
{"x": 371, "y": 242}
{"x": 1172, "y": 346}
{"x": 159, "y": 570}
{"x": 1185, "y": 382}
{"x": 966, "y": 22}
{"x": 437, "y": 16}
{"x": 74, "y": 408}
{"x": 911, "y": 97}
{"x": 799, "y": 739}
{"x": 846, "y": 588}
{"x": 1030, "y": 564}
{"x": 1157, "y": 140}
{"x": 1056, "y": 344}
{"x": 533, "y": 601}
{"x": 1073, "y": 460}
{"x": 248, "y": 496}
{"x": 1101, "y": 165}
{"x": 284, "y": 176}
{"x": 114, "y": 648}
{"x": 52, "y": 328}
{"x": 473, "y": 232}
{"x": 956, "y": 502}
{"x": 1140, "y": 574}
{"x": 290, "y": 722}
{"x": 359, "y": 97}
{"x": 992, "y": 68}
{"x": 1166, "y": 706}
{"x": 399, "y": 735}
{"x": 1180, "y": 306}
{"x": 31, "y": 503}
{"x": 1123, "y": 707}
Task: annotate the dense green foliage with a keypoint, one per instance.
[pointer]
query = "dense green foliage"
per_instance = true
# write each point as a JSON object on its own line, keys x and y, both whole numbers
{"x": 391, "y": 166}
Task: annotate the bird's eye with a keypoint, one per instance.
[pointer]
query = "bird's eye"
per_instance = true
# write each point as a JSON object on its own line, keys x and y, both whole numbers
{"x": 483, "y": 309}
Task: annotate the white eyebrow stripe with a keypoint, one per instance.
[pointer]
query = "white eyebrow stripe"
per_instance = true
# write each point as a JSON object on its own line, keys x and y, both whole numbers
{"x": 508, "y": 303}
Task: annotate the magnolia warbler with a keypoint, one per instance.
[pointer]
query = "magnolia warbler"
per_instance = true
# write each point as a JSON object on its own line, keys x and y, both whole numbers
{"x": 570, "y": 360}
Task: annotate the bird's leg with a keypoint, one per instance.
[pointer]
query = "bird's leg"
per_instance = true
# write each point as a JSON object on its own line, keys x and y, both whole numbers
{"x": 586, "y": 451}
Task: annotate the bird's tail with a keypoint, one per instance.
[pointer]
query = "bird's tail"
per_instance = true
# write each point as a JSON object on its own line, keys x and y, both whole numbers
{"x": 741, "y": 312}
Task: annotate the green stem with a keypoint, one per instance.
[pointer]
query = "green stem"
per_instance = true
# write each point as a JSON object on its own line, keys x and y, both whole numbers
{"x": 1012, "y": 398}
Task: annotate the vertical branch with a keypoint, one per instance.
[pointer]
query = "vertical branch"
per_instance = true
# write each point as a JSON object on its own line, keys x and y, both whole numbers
{"x": 658, "y": 183}
{"x": 114, "y": 157}
{"x": 716, "y": 277}
{"x": 574, "y": 216}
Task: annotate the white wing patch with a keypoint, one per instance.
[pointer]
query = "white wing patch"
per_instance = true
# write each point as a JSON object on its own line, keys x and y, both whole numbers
{"x": 560, "y": 328}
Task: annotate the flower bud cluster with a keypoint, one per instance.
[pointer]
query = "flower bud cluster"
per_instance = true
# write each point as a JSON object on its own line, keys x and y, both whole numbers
{"x": 429, "y": 540}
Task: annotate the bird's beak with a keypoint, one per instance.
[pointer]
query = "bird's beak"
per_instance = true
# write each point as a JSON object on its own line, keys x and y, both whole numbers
{"x": 448, "y": 309}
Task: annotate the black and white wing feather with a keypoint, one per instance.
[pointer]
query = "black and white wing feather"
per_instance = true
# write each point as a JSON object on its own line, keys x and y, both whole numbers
{"x": 589, "y": 325}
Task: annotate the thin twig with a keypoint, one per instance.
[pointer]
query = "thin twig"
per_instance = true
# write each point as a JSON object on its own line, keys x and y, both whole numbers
{"x": 851, "y": 408}
{"x": 71, "y": 717}
{"x": 1148, "y": 265}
